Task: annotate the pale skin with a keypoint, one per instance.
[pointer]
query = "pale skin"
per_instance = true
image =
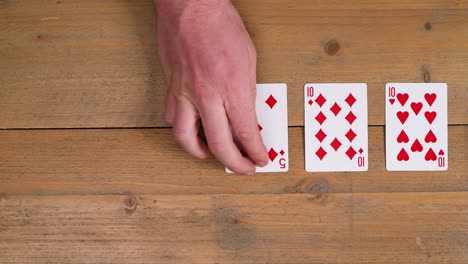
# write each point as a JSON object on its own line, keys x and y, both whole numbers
{"x": 210, "y": 64}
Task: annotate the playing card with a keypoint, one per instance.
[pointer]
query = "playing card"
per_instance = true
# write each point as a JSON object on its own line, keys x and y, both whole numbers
{"x": 416, "y": 126}
{"x": 272, "y": 114}
{"x": 335, "y": 127}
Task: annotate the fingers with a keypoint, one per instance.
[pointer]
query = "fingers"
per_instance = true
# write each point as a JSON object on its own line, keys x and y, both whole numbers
{"x": 220, "y": 140}
{"x": 186, "y": 127}
{"x": 245, "y": 126}
{"x": 243, "y": 118}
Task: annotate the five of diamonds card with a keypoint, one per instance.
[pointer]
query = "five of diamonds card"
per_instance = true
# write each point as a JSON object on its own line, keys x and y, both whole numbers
{"x": 335, "y": 121}
{"x": 416, "y": 126}
{"x": 271, "y": 106}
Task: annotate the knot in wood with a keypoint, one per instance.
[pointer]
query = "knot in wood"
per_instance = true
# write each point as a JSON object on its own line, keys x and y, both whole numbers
{"x": 130, "y": 204}
{"x": 42, "y": 37}
{"x": 318, "y": 189}
{"x": 428, "y": 26}
{"x": 332, "y": 47}
{"x": 426, "y": 75}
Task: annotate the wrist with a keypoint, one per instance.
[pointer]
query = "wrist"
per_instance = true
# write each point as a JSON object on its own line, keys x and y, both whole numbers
{"x": 188, "y": 8}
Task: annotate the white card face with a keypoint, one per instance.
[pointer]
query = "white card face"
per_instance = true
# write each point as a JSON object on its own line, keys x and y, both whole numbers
{"x": 416, "y": 126}
{"x": 272, "y": 114}
{"x": 335, "y": 127}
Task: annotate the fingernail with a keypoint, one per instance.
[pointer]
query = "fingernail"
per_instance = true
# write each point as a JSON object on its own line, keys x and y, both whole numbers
{"x": 262, "y": 163}
{"x": 250, "y": 173}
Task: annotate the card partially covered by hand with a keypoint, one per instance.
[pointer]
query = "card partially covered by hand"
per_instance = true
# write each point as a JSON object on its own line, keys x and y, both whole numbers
{"x": 272, "y": 114}
{"x": 335, "y": 127}
{"x": 416, "y": 126}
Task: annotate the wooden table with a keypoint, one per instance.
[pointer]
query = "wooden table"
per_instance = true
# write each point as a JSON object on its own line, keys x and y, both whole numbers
{"x": 89, "y": 172}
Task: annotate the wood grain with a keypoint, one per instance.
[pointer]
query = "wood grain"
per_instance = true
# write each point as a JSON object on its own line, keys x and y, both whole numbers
{"x": 300, "y": 228}
{"x": 133, "y": 196}
{"x": 94, "y": 64}
{"x": 147, "y": 161}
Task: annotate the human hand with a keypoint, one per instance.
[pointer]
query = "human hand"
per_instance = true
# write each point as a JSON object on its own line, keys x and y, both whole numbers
{"x": 210, "y": 63}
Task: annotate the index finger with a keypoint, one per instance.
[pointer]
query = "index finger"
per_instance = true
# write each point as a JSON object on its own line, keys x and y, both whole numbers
{"x": 245, "y": 126}
{"x": 220, "y": 141}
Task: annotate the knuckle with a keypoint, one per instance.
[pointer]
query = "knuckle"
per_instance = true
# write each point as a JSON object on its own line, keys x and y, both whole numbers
{"x": 243, "y": 108}
{"x": 245, "y": 136}
{"x": 169, "y": 120}
{"x": 258, "y": 156}
{"x": 181, "y": 135}
{"x": 217, "y": 147}
{"x": 203, "y": 95}
{"x": 207, "y": 104}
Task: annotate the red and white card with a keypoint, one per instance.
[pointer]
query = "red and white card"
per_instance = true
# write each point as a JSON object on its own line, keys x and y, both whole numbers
{"x": 335, "y": 127}
{"x": 272, "y": 115}
{"x": 416, "y": 126}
